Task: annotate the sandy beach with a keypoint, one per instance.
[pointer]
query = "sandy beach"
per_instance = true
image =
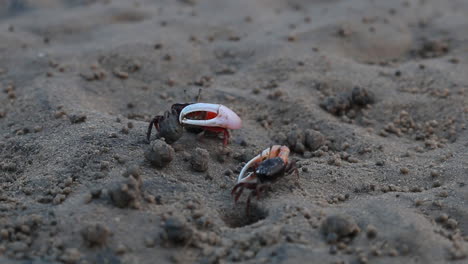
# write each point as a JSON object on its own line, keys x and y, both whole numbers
{"x": 370, "y": 96}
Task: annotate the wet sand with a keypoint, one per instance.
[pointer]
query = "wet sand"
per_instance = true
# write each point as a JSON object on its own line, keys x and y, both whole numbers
{"x": 370, "y": 96}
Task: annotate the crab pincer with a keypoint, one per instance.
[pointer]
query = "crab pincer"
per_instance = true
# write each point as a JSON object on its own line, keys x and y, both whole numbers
{"x": 209, "y": 117}
{"x": 262, "y": 170}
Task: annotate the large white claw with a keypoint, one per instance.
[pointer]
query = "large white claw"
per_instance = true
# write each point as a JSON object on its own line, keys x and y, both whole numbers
{"x": 248, "y": 178}
{"x": 225, "y": 117}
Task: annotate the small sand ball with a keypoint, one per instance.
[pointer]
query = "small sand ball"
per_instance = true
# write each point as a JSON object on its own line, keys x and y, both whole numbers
{"x": 134, "y": 171}
{"x": 299, "y": 148}
{"x": 176, "y": 230}
{"x": 200, "y": 160}
{"x": 95, "y": 235}
{"x": 77, "y": 118}
{"x": 296, "y": 140}
{"x": 451, "y": 223}
{"x": 314, "y": 139}
{"x": 361, "y": 96}
{"x": 126, "y": 194}
{"x": 404, "y": 170}
{"x": 336, "y": 105}
{"x": 442, "y": 218}
{"x": 371, "y": 231}
{"x": 71, "y": 256}
{"x": 160, "y": 153}
{"x": 435, "y": 174}
{"x": 337, "y": 227}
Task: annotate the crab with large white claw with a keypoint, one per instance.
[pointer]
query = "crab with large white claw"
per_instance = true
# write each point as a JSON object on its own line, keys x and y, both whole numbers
{"x": 211, "y": 117}
{"x": 217, "y": 116}
{"x": 263, "y": 169}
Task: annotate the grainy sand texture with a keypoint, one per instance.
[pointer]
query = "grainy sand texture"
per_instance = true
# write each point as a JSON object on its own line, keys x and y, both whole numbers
{"x": 369, "y": 95}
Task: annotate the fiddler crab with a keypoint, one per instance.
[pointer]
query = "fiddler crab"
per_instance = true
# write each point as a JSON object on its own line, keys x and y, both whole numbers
{"x": 208, "y": 117}
{"x": 262, "y": 170}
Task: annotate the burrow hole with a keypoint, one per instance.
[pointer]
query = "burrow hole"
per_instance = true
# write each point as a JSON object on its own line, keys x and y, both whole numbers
{"x": 236, "y": 216}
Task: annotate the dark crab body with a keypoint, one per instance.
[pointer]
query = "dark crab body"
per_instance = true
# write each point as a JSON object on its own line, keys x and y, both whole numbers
{"x": 196, "y": 117}
{"x": 262, "y": 170}
{"x": 168, "y": 126}
{"x": 270, "y": 169}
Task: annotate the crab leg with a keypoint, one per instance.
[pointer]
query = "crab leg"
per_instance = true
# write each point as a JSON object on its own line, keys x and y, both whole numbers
{"x": 225, "y": 117}
{"x": 238, "y": 194}
{"x": 239, "y": 188}
{"x": 154, "y": 122}
{"x": 220, "y": 130}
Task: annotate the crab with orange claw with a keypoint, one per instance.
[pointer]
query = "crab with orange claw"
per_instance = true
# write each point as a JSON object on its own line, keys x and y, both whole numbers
{"x": 208, "y": 117}
{"x": 262, "y": 170}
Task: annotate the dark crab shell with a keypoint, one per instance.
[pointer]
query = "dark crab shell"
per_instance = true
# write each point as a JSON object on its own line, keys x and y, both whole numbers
{"x": 169, "y": 127}
{"x": 270, "y": 169}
